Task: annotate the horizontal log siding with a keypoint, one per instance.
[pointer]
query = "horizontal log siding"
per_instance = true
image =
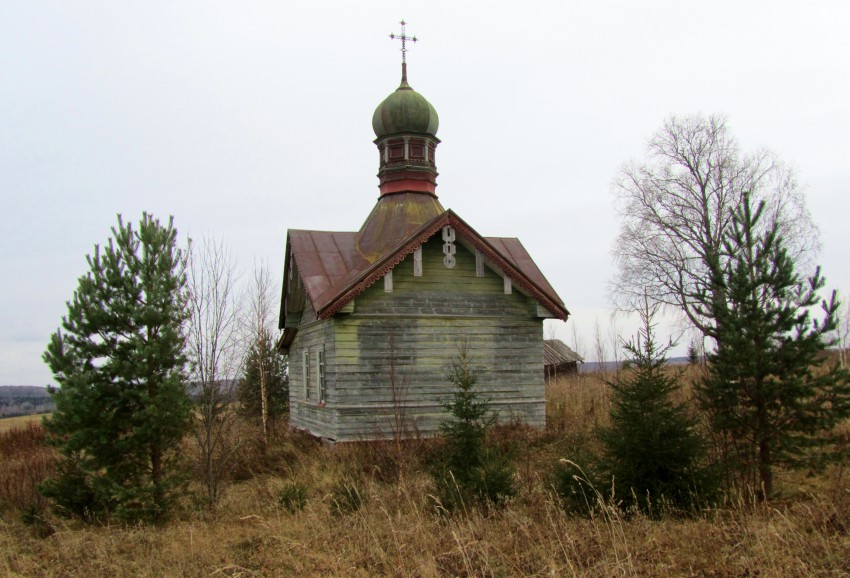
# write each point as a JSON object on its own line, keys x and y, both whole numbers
{"x": 418, "y": 328}
{"x": 307, "y": 314}
{"x": 308, "y": 414}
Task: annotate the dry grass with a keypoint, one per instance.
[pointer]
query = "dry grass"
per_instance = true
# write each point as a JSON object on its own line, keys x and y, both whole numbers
{"x": 398, "y": 531}
{"x": 8, "y": 423}
{"x": 25, "y": 461}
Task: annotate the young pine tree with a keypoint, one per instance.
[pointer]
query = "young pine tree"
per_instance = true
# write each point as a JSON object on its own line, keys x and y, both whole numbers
{"x": 651, "y": 450}
{"x": 121, "y": 406}
{"x": 767, "y": 393}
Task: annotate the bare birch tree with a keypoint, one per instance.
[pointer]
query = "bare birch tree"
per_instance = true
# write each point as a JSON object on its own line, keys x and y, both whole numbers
{"x": 676, "y": 205}
{"x": 215, "y": 356}
{"x": 577, "y": 342}
{"x": 259, "y": 329}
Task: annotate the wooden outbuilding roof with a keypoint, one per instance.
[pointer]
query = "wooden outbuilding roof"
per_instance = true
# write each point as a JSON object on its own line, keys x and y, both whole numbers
{"x": 556, "y": 352}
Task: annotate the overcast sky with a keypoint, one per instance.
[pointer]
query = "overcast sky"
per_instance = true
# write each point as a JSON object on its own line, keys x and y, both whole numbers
{"x": 243, "y": 119}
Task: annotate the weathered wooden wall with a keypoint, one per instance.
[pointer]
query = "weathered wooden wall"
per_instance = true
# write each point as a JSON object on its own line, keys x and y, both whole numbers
{"x": 308, "y": 414}
{"x": 408, "y": 337}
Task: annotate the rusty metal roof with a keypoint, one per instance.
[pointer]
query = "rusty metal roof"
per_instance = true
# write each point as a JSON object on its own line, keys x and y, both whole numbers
{"x": 335, "y": 267}
{"x": 325, "y": 259}
{"x": 394, "y": 218}
{"x": 513, "y": 250}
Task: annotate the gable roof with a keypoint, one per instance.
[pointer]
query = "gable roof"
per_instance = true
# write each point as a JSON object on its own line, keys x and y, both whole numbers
{"x": 334, "y": 270}
{"x": 324, "y": 259}
{"x": 556, "y": 352}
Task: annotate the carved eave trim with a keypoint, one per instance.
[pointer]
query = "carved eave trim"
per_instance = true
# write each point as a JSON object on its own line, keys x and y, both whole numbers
{"x": 397, "y": 255}
{"x": 383, "y": 266}
{"x": 508, "y": 268}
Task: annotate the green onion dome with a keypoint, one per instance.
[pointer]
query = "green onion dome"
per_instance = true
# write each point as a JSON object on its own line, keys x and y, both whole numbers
{"x": 405, "y": 111}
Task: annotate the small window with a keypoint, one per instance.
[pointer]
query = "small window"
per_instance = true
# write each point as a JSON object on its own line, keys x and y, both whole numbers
{"x": 305, "y": 375}
{"x": 508, "y": 286}
{"x": 320, "y": 375}
{"x": 388, "y": 282}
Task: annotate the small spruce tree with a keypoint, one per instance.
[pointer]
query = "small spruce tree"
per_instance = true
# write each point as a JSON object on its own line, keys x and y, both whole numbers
{"x": 468, "y": 470}
{"x": 651, "y": 450}
{"x": 121, "y": 405}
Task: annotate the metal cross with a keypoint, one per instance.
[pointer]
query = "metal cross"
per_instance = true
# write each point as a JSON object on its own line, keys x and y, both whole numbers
{"x": 404, "y": 38}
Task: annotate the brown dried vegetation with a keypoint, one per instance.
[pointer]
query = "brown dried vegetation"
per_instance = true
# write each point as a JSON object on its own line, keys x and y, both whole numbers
{"x": 397, "y": 530}
{"x": 25, "y": 461}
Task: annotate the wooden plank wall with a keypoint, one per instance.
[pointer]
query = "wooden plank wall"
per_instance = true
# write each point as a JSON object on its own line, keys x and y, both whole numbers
{"x": 303, "y": 413}
{"x": 414, "y": 332}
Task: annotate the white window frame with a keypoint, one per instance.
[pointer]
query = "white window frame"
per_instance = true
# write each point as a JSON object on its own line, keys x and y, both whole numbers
{"x": 321, "y": 378}
{"x": 305, "y": 373}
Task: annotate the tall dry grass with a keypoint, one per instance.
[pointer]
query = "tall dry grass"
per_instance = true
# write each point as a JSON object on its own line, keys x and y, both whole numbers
{"x": 399, "y": 530}
{"x": 25, "y": 461}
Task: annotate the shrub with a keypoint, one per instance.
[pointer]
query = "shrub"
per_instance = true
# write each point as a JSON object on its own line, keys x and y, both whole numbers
{"x": 72, "y": 493}
{"x": 293, "y": 496}
{"x": 346, "y": 497}
{"x": 578, "y": 484}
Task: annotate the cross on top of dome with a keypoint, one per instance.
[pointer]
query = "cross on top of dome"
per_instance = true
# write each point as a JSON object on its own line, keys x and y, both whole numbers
{"x": 404, "y": 38}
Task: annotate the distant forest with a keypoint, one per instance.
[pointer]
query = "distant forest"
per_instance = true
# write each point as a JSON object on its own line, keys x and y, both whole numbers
{"x": 29, "y": 399}
{"x": 24, "y": 400}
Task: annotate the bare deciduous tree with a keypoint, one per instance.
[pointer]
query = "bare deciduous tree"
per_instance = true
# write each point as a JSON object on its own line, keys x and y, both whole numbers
{"x": 616, "y": 343}
{"x": 600, "y": 348}
{"x": 215, "y": 356}
{"x": 676, "y": 205}
{"x": 399, "y": 389}
{"x": 260, "y": 327}
{"x": 578, "y": 344}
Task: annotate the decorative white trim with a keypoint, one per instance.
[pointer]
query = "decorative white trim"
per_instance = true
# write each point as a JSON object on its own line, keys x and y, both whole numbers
{"x": 388, "y": 281}
{"x": 508, "y": 285}
{"x": 479, "y": 263}
{"x": 449, "y": 248}
{"x": 417, "y": 261}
